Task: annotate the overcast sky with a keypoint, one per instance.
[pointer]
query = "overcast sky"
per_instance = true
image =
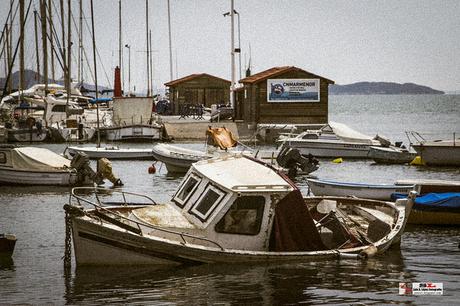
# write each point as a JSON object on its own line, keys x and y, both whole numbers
{"x": 347, "y": 41}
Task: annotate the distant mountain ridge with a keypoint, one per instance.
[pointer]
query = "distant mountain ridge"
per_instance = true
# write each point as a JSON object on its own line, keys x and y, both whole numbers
{"x": 382, "y": 88}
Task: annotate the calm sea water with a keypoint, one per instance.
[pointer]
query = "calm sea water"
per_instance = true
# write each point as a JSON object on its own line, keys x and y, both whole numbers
{"x": 35, "y": 274}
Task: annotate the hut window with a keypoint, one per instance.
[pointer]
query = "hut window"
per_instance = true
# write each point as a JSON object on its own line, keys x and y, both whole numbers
{"x": 207, "y": 202}
{"x": 2, "y": 158}
{"x": 244, "y": 217}
{"x": 186, "y": 190}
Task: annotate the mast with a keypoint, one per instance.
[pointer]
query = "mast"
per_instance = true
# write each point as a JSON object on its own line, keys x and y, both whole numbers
{"x": 69, "y": 51}
{"x": 63, "y": 48}
{"x": 80, "y": 44}
{"x": 147, "y": 43}
{"x": 95, "y": 74}
{"x": 10, "y": 50}
{"x": 232, "y": 86}
{"x": 44, "y": 43}
{"x": 21, "y": 46}
{"x": 37, "y": 53}
{"x": 170, "y": 45}
{"x": 119, "y": 43}
{"x": 50, "y": 19}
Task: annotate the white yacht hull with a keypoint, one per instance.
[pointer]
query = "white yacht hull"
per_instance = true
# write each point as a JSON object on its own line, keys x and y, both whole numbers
{"x": 113, "y": 153}
{"x": 331, "y": 148}
{"x": 177, "y": 159}
{"x": 72, "y": 134}
{"x": 133, "y": 132}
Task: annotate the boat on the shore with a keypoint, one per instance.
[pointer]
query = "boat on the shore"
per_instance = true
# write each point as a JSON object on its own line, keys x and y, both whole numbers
{"x": 221, "y": 214}
{"x": 112, "y": 152}
{"x": 366, "y": 191}
{"x": 392, "y": 155}
{"x": 439, "y": 152}
{"x": 178, "y": 159}
{"x": 7, "y": 244}
{"x": 40, "y": 166}
{"x": 333, "y": 140}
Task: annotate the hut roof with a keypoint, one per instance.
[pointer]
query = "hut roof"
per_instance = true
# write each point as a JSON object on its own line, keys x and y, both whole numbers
{"x": 192, "y": 77}
{"x": 275, "y": 71}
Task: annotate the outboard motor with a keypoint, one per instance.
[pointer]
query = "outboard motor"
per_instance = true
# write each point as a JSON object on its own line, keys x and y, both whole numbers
{"x": 80, "y": 162}
{"x": 291, "y": 159}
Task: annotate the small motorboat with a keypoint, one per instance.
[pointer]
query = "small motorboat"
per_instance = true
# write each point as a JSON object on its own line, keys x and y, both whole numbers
{"x": 392, "y": 154}
{"x": 112, "y": 152}
{"x": 366, "y": 191}
{"x": 40, "y": 166}
{"x": 178, "y": 159}
{"x": 221, "y": 214}
{"x": 333, "y": 140}
{"x": 7, "y": 243}
{"x": 439, "y": 152}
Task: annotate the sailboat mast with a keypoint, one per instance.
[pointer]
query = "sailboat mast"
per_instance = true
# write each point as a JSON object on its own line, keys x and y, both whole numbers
{"x": 10, "y": 50}
{"x": 21, "y": 46}
{"x": 69, "y": 51}
{"x": 50, "y": 19}
{"x": 63, "y": 47}
{"x": 151, "y": 61}
{"x": 170, "y": 44}
{"x": 80, "y": 44}
{"x": 147, "y": 43}
{"x": 95, "y": 74}
{"x": 44, "y": 43}
{"x": 37, "y": 53}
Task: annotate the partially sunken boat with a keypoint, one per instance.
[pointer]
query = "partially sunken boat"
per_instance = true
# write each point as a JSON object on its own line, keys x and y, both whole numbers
{"x": 221, "y": 214}
{"x": 392, "y": 155}
{"x": 439, "y": 152}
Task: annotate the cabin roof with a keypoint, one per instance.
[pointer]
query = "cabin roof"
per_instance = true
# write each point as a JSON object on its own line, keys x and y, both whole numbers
{"x": 241, "y": 174}
{"x": 192, "y": 77}
{"x": 275, "y": 71}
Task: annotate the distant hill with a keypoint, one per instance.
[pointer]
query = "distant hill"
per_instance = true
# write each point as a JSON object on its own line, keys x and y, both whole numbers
{"x": 381, "y": 88}
{"x": 31, "y": 78}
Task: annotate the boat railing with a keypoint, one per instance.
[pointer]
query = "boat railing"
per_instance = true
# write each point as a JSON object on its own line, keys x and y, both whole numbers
{"x": 99, "y": 206}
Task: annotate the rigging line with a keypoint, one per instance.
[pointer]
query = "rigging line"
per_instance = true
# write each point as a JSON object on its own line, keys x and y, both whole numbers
{"x": 12, "y": 19}
{"x": 6, "y": 23}
{"x": 15, "y": 51}
{"x": 99, "y": 56}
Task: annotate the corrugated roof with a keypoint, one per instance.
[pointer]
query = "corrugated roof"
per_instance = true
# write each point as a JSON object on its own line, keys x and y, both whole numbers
{"x": 277, "y": 71}
{"x": 193, "y": 76}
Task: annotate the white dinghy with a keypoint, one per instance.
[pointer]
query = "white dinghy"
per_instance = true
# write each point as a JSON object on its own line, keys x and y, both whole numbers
{"x": 229, "y": 210}
{"x": 112, "y": 152}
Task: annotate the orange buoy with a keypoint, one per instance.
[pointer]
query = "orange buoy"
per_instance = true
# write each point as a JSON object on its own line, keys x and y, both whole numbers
{"x": 152, "y": 169}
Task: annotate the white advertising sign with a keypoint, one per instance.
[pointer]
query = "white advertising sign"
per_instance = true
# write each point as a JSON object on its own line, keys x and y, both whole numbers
{"x": 293, "y": 90}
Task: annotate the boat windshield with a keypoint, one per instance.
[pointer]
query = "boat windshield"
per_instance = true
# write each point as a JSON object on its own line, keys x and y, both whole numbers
{"x": 187, "y": 188}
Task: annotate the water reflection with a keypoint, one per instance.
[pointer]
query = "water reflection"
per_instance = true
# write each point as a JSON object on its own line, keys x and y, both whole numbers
{"x": 349, "y": 281}
{"x": 6, "y": 263}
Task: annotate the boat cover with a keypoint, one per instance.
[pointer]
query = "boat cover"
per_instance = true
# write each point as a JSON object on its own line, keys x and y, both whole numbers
{"x": 37, "y": 159}
{"x": 293, "y": 227}
{"x": 446, "y": 202}
{"x": 132, "y": 110}
{"x": 348, "y": 134}
{"x": 222, "y": 137}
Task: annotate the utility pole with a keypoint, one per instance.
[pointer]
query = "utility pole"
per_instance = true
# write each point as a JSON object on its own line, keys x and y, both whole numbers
{"x": 50, "y": 19}
{"x": 44, "y": 43}
{"x": 37, "y": 53}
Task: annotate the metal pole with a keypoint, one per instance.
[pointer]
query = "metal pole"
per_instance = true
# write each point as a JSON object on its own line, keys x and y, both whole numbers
{"x": 151, "y": 61}
{"x": 69, "y": 46}
{"x": 50, "y": 19}
{"x": 80, "y": 44}
{"x": 129, "y": 68}
{"x": 232, "y": 30}
{"x": 170, "y": 44}
{"x": 21, "y": 46}
{"x": 95, "y": 74}
{"x": 239, "y": 43}
{"x": 37, "y": 54}
{"x": 63, "y": 47}
{"x": 44, "y": 43}
{"x": 147, "y": 43}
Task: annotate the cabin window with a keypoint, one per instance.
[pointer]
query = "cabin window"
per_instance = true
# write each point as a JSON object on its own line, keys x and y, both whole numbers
{"x": 207, "y": 202}
{"x": 59, "y": 108}
{"x": 186, "y": 190}
{"x": 2, "y": 158}
{"x": 244, "y": 217}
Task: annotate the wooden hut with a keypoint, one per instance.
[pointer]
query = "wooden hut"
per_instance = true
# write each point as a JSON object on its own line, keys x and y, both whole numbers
{"x": 198, "y": 89}
{"x": 283, "y": 95}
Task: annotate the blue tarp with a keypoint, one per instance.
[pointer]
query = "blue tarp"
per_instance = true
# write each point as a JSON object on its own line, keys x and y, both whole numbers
{"x": 100, "y": 100}
{"x": 447, "y": 202}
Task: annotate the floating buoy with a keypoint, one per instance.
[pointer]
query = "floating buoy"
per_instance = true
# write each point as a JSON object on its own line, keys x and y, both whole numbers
{"x": 417, "y": 161}
{"x": 337, "y": 160}
{"x": 152, "y": 169}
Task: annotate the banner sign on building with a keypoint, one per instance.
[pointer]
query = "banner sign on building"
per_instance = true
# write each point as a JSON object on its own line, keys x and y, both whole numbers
{"x": 293, "y": 90}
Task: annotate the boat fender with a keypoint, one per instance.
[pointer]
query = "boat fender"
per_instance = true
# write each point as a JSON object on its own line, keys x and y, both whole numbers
{"x": 152, "y": 169}
{"x": 337, "y": 160}
{"x": 368, "y": 252}
{"x": 417, "y": 161}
